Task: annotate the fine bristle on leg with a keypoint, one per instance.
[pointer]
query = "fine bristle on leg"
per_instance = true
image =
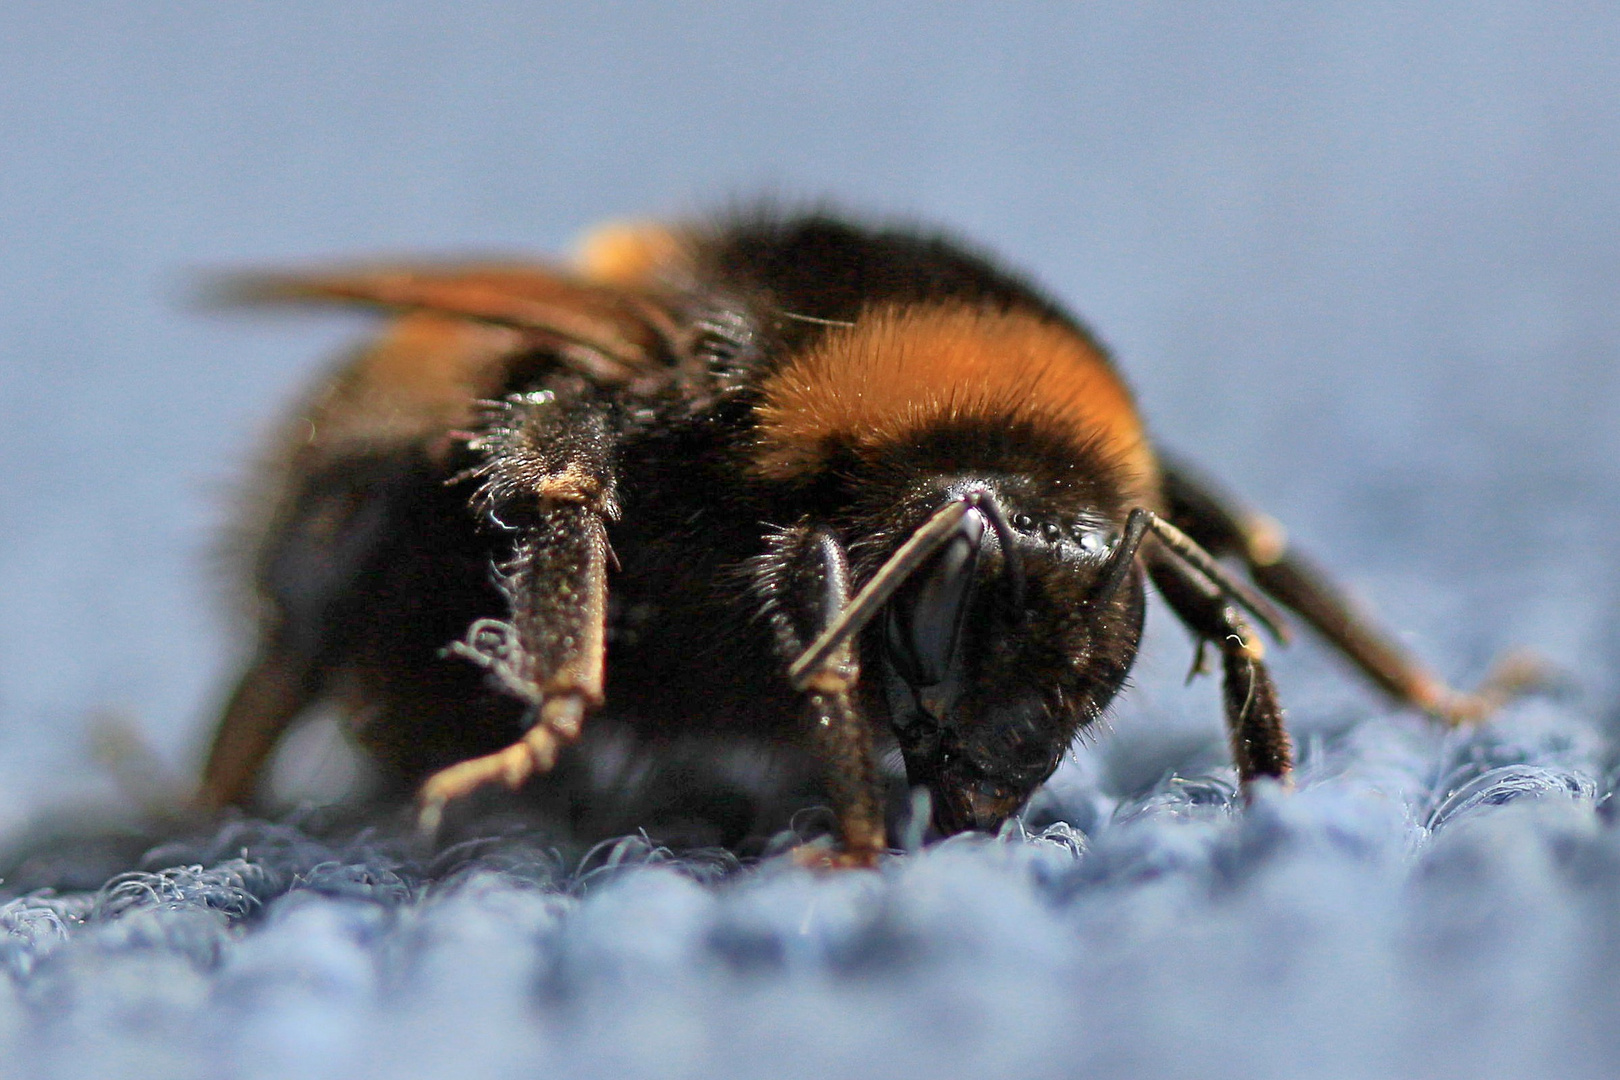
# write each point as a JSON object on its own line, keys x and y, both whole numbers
{"x": 1261, "y": 747}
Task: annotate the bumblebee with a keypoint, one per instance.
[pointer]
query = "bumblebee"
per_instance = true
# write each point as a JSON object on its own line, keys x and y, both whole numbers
{"x": 785, "y": 478}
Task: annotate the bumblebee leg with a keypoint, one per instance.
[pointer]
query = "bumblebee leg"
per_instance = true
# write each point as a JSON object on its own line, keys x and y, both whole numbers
{"x": 548, "y": 469}
{"x": 270, "y": 694}
{"x": 845, "y": 743}
{"x": 512, "y": 765}
{"x": 809, "y": 585}
{"x": 1254, "y": 716}
{"x": 551, "y": 653}
{"x": 1226, "y": 528}
{"x": 310, "y": 572}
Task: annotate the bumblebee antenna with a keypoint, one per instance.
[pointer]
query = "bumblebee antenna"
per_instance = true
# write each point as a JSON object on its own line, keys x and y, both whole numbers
{"x": 1120, "y": 562}
{"x": 928, "y": 538}
{"x": 1140, "y": 523}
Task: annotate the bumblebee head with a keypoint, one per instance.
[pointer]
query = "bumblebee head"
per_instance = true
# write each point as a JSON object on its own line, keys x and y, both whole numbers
{"x": 999, "y": 647}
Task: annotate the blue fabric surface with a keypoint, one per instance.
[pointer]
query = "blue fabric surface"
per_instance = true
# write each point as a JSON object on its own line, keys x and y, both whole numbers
{"x": 1425, "y": 904}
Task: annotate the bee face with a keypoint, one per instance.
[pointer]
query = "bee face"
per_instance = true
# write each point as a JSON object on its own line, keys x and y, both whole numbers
{"x": 999, "y": 649}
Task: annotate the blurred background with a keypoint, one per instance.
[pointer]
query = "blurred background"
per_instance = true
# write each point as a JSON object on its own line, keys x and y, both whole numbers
{"x": 1358, "y": 259}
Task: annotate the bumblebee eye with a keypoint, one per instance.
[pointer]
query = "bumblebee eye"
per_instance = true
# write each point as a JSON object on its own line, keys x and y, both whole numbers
{"x": 925, "y": 616}
{"x": 1050, "y": 532}
{"x": 1023, "y": 523}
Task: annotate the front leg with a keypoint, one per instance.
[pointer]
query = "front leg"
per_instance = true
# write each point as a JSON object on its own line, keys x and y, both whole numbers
{"x": 547, "y": 478}
{"x": 1254, "y": 716}
{"x": 806, "y": 584}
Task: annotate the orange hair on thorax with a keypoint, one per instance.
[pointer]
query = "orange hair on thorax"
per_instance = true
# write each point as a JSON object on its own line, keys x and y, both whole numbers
{"x": 899, "y": 370}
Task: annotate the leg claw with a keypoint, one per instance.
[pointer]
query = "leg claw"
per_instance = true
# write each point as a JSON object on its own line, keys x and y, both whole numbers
{"x": 821, "y": 857}
{"x": 510, "y": 766}
{"x": 1513, "y": 676}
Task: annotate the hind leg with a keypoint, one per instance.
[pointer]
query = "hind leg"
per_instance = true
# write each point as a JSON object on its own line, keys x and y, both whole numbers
{"x": 1224, "y": 527}
{"x": 271, "y": 693}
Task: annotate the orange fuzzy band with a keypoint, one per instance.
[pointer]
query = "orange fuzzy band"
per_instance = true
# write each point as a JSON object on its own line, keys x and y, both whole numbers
{"x": 901, "y": 370}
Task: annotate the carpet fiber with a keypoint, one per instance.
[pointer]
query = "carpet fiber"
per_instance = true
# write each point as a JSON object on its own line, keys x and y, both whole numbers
{"x": 1424, "y": 905}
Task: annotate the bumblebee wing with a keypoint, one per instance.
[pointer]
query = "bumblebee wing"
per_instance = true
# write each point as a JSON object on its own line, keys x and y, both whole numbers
{"x": 612, "y": 334}
{"x": 374, "y": 435}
